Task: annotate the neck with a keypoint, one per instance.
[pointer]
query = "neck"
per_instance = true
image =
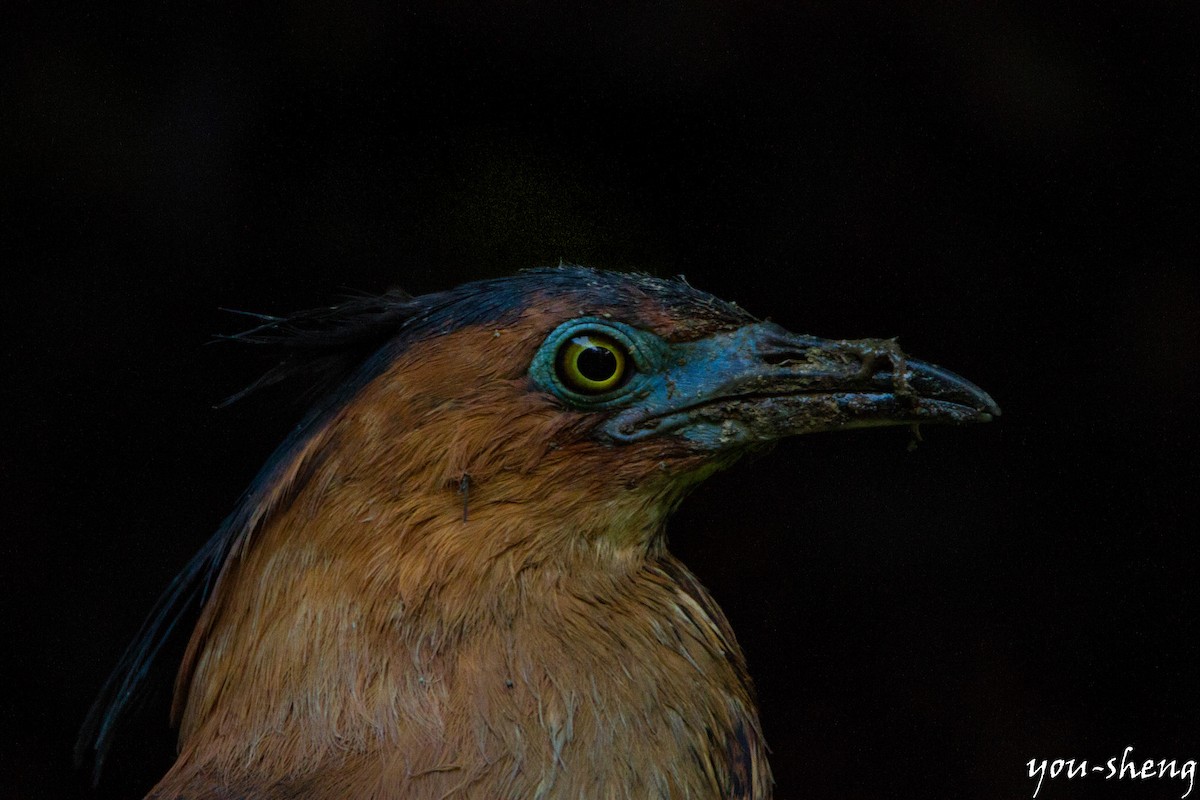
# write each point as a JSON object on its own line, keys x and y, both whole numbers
{"x": 441, "y": 660}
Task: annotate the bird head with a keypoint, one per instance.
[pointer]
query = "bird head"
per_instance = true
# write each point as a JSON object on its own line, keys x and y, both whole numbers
{"x": 589, "y": 401}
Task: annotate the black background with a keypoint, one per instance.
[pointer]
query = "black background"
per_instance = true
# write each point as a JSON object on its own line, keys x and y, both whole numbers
{"x": 1009, "y": 188}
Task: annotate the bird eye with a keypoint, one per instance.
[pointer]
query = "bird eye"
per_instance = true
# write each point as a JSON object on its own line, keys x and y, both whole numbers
{"x": 592, "y": 363}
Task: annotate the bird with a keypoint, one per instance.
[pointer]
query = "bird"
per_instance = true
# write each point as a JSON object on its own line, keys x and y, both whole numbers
{"x": 452, "y": 579}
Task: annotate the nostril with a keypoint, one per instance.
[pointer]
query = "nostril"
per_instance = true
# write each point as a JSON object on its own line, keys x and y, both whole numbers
{"x": 781, "y": 358}
{"x": 781, "y": 351}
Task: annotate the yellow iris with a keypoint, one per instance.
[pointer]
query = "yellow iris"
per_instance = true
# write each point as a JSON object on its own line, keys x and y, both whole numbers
{"x": 592, "y": 364}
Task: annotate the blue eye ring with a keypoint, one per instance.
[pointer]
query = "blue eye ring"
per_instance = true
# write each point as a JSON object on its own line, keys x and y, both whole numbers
{"x": 636, "y": 353}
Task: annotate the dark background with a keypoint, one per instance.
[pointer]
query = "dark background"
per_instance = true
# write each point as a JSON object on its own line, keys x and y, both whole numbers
{"x": 1009, "y": 188}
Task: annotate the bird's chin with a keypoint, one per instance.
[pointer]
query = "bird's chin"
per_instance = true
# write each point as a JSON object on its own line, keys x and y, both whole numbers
{"x": 734, "y": 422}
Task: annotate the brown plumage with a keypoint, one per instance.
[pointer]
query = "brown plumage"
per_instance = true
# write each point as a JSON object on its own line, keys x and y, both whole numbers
{"x": 453, "y": 581}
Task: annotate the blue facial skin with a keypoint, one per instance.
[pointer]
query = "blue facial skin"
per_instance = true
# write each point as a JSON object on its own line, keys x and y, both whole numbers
{"x": 759, "y": 383}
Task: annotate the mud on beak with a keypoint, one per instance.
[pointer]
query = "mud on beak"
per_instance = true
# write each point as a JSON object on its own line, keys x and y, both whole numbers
{"x": 761, "y": 383}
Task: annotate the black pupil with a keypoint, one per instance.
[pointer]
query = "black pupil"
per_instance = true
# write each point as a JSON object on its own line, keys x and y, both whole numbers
{"x": 596, "y": 363}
